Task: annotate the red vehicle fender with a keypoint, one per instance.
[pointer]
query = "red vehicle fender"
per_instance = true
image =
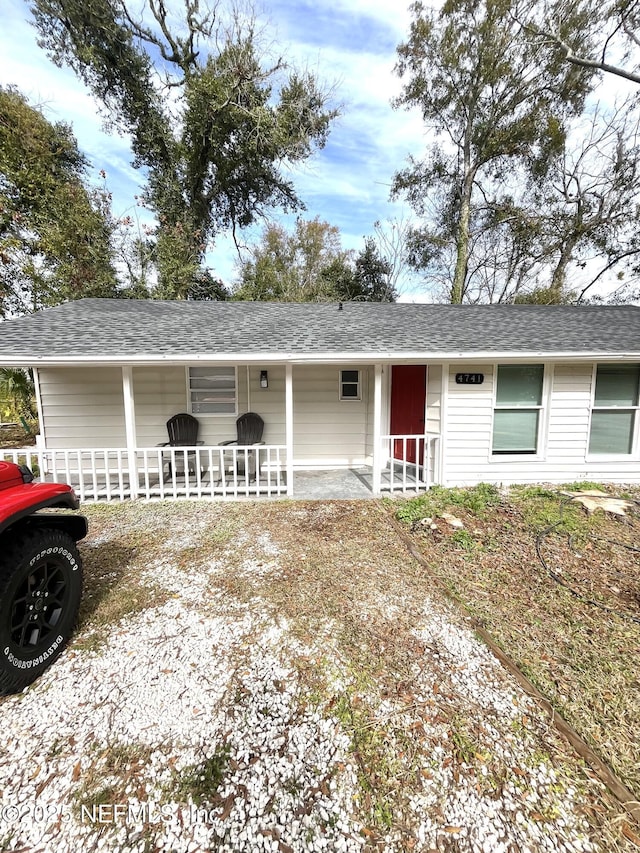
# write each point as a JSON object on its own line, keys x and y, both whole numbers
{"x": 19, "y": 500}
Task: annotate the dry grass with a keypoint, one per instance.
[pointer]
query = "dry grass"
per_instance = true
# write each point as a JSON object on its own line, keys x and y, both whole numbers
{"x": 15, "y": 437}
{"x": 342, "y": 582}
{"x": 116, "y": 583}
{"x": 583, "y": 657}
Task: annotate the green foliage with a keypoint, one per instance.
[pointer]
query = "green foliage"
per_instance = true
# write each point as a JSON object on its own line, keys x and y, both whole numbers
{"x": 372, "y": 275}
{"x": 530, "y": 492}
{"x": 377, "y": 763}
{"x": 581, "y": 486}
{"x": 367, "y": 279}
{"x": 310, "y": 265}
{"x": 54, "y": 233}
{"x": 542, "y": 507}
{"x": 498, "y": 103}
{"x": 17, "y": 395}
{"x": 545, "y": 296}
{"x": 289, "y": 267}
{"x": 210, "y": 121}
{"x": 467, "y": 747}
{"x": 598, "y": 34}
{"x": 475, "y": 499}
{"x": 200, "y": 782}
{"x": 464, "y": 540}
{"x": 206, "y": 288}
{"x": 340, "y": 280}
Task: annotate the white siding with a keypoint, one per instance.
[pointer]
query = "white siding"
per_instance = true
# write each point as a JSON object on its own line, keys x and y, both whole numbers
{"x": 563, "y": 451}
{"x": 568, "y": 433}
{"x": 368, "y": 374}
{"x": 162, "y": 392}
{"x": 329, "y": 432}
{"x": 269, "y": 402}
{"x": 82, "y": 407}
{"x": 468, "y": 426}
{"x": 159, "y": 393}
{"x": 434, "y": 397}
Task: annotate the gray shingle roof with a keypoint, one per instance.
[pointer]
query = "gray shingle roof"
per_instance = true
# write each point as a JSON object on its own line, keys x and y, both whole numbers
{"x": 136, "y": 329}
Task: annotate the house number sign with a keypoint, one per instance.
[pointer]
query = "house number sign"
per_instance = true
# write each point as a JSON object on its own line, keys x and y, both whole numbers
{"x": 469, "y": 378}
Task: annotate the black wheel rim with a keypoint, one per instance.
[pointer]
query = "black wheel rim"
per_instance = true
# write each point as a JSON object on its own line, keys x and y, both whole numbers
{"x": 38, "y": 605}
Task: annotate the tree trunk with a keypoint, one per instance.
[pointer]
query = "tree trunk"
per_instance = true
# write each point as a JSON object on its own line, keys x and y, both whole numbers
{"x": 462, "y": 236}
{"x": 559, "y": 278}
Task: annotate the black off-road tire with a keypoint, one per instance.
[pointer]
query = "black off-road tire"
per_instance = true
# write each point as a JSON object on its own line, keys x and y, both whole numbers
{"x": 40, "y": 591}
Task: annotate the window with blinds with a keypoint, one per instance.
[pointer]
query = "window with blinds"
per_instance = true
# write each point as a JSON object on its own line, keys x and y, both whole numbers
{"x": 518, "y": 408}
{"x": 213, "y": 390}
{"x": 613, "y": 414}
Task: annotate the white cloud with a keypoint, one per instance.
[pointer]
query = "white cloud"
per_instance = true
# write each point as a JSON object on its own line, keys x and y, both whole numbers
{"x": 62, "y": 97}
{"x": 351, "y": 42}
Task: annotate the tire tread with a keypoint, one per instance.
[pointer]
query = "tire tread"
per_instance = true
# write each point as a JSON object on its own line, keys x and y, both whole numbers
{"x": 12, "y": 556}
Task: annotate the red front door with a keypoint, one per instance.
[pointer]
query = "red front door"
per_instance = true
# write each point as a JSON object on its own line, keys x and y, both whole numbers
{"x": 408, "y": 389}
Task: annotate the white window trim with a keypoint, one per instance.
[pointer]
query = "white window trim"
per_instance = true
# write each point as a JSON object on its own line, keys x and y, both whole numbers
{"x": 341, "y": 383}
{"x": 211, "y": 414}
{"x": 543, "y": 416}
{"x": 611, "y": 457}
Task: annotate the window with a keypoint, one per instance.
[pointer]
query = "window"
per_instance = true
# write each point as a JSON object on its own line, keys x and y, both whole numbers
{"x": 212, "y": 390}
{"x": 349, "y": 384}
{"x": 614, "y": 408}
{"x": 516, "y": 417}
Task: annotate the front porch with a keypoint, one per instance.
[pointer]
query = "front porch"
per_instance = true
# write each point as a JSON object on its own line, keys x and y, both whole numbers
{"x": 217, "y": 472}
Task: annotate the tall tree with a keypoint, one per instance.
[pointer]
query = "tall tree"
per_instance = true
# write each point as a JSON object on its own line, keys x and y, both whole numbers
{"x": 310, "y": 265}
{"x": 598, "y": 35}
{"x": 497, "y": 101}
{"x": 391, "y": 239}
{"x": 574, "y": 233}
{"x": 17, "y": 394}
{"x": 211, "y": 119}
{"x": 590, "y": 205}
{"x": 302, "y": 266}
{"x": 54, "y": 233}
{"x": 372, "y": 275}
{"x": 363, "y": 278}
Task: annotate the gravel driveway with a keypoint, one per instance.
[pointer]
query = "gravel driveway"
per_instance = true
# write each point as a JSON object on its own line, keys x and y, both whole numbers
{"x": 278, "y": 677}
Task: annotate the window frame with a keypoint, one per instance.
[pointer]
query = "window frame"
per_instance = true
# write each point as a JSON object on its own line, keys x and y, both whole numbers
{"x": 634, "y": 409}
{"x": 357, "y": 383}
{"x": 542, "y": 409}
{"x": 230, "y": 369}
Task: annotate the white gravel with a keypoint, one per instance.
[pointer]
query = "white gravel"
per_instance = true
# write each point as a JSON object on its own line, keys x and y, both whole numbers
{"x": 135, "y": 693}
{"x": 203, "y": 676}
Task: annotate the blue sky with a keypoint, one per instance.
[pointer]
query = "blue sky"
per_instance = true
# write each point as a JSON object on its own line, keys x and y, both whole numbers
{"x": 349, "y": 44}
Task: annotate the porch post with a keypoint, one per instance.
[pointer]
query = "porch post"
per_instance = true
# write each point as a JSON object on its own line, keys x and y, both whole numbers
{"x": 41, "y": 443}
{"x": 288, "y": 395}
{"x": 444, "y": 426}
{"x": 377, "y": 430}
{"x": 130, "y": 428}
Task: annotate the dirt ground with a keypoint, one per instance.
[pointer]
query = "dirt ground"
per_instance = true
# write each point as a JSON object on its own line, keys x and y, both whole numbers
{"x": 558, "y": 587}
{"x": 445, "y": 751}
{"x": 15, "y": 437}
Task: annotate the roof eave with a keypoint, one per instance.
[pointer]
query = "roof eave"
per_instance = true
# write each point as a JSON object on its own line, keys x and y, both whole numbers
{"x": 364, "y": 357}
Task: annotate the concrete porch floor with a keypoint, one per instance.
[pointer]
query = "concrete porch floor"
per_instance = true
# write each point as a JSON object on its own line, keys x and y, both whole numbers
{"x": 343, "y": 484}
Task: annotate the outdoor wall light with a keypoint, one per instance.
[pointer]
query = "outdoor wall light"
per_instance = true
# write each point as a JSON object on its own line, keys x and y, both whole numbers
{"x": 264, "y": 379}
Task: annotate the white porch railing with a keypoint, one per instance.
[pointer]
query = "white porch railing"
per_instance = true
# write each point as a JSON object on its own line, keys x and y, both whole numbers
{"x": 409, "y": 462}
{"x": 160, "y": 472}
